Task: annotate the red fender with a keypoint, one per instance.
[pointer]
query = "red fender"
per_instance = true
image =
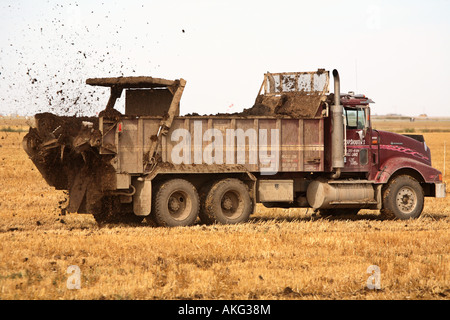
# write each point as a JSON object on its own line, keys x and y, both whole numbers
{"x": 392, "y": 165}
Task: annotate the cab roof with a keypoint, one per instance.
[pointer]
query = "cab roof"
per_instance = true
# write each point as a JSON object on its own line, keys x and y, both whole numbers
{"x": 351, "y": 99}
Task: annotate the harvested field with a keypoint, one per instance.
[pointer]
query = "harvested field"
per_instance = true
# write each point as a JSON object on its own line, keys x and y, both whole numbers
{"x": 417, "y": 126}
{"x": 279, "y": 254}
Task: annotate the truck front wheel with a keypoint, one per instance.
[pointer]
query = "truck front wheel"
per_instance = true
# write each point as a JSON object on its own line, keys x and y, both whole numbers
{"x": 403, "y": 198}
{"x": 227, "y": 202}
{"x": 176, "y": 203}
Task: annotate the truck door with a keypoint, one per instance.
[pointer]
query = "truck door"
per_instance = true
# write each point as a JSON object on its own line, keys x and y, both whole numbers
{"x": 358, "y": 156}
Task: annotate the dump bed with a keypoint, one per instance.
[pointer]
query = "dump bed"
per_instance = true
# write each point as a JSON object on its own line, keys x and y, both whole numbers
{"x": 196, "y": 143}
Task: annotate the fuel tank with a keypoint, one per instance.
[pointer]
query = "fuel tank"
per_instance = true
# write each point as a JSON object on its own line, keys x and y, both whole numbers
{"x": 341, "y": 194}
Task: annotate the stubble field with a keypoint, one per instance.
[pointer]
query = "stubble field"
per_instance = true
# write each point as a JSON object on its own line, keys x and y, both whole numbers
{"x": 279, "y": 254}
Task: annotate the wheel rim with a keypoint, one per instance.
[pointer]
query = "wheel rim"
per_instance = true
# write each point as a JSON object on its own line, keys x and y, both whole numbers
{"x": 179, "y": 205}
{"x": 406, "y": 200}
{"x": 231, "y": 204}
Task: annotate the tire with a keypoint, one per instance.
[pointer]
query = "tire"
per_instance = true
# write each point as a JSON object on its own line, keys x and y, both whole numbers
{"x": 227, "y": 202}
{"x": 403, "y": 198}
{"x": 338, "y": 212}
{"x": 176, "y": 204}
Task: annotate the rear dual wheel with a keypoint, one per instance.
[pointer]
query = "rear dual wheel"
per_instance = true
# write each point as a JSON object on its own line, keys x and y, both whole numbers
{"x": 226, "y": 201}
{"x": 176, "y": 203}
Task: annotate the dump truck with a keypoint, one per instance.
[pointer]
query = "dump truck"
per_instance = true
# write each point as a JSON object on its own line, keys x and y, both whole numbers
{"x": 298, "y": 146}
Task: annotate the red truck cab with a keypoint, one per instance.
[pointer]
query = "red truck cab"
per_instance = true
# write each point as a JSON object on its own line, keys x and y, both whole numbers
{"x": 399, "y": 164}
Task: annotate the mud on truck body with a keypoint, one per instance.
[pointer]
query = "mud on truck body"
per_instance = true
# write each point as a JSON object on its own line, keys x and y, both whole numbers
{"x": 298, "y": 146}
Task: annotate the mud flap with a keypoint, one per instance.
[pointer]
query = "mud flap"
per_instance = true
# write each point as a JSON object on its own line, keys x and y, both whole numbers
{"x": 440, "y": 190}
{"x": 142, "y": 199}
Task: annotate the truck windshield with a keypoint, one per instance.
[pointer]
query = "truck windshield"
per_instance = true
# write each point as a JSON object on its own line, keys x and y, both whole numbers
{"x": 355, "y": 118}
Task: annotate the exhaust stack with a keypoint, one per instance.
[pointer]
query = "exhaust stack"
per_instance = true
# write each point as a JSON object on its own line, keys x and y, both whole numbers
{"x": 337, "y": 133}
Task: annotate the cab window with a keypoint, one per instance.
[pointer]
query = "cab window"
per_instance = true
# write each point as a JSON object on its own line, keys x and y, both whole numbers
{"x": 355, "y": 118}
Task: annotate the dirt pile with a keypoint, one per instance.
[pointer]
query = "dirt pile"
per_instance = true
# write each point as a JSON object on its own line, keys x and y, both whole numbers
{"x": 293, "y": 104}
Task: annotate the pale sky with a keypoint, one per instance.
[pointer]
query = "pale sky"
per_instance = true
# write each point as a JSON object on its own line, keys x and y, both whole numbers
{"x": 395, "y": 52}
